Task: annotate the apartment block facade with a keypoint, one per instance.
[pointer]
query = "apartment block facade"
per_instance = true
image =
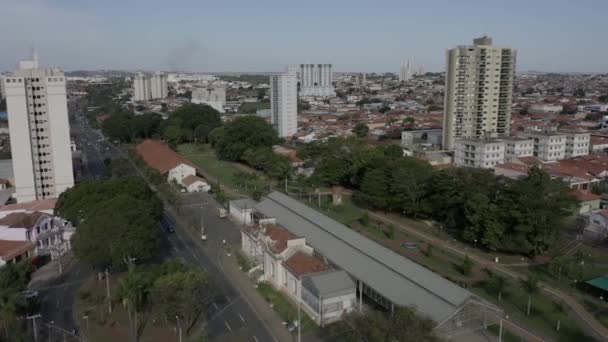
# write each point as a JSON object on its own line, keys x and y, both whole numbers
{"x": 518, "y": 147}
{"x": 478, "y": 152}
{"x": 284, "y": 102}
{"x": 478, "y": 91}
{"x": 147, "y": 88}
{"x": 39, "y": 131}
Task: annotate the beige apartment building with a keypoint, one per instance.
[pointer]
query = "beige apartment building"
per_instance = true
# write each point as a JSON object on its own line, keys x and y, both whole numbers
{"x": 478, "y": 91}
{"x": 39, "y": 131}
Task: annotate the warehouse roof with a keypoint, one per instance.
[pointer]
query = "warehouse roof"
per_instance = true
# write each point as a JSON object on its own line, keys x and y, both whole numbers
{"x": 330, "y": 283}
{"x": 397, "y": 278}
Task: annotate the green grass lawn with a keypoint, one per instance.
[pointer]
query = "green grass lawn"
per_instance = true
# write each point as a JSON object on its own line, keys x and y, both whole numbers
{"x": 346, "y": 213}
{"x": 225, "y": 172}
{"x": 252, "y": 107}
{"x": 285, "y": 308}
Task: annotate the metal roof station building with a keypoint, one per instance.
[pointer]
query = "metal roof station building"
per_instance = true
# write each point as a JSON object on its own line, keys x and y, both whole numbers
{"x": 382, "y": 275}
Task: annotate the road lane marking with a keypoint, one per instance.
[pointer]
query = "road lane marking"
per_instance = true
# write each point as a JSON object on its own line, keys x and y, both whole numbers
{"x": 255, "y": 339}
{"x": 241, "y": 317}
{"x": 227, "y": 299}
{"x": 215, "y": 305}
{"x": 227, "y": 326}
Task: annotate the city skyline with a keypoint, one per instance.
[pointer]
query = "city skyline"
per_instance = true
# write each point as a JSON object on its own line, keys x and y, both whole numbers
{"x": 242, "y": 37}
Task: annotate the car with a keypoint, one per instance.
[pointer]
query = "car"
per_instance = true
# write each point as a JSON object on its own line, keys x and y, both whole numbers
{"x": 29, "y": 294}
{"x": 409, "y": 245}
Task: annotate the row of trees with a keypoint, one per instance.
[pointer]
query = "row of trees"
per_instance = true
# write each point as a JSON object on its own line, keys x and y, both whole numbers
{"x": 520, "y": 216}
{"x": 173, "y": 293}
{"x": 189, "y": 123}
{"x": 250, "y": 139}
{"x": 117, "y": 221}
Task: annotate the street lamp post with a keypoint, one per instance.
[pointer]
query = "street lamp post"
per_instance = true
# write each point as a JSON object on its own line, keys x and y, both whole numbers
{"x": 86, "y": 318}
{"x": 179, "y": 328}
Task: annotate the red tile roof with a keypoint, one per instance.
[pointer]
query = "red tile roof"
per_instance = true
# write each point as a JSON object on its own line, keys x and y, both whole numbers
{"x": 21, "y": 220}
{"x": 46, "y": 204}
{"x": 279, "y": 235}
{"x": 160, "y": 157}
{"x": 586, "y": 196}
{"x": 301, "y": 264}
{"x": 10, "y": 249}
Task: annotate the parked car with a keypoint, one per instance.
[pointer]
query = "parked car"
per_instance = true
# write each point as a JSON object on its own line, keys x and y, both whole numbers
{"x": 409, "y": 245}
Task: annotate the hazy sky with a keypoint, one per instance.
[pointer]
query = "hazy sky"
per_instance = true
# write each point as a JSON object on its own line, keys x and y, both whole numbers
{"x": 267, "y": 35}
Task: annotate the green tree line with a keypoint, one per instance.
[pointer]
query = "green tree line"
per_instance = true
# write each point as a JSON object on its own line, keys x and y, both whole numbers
{"x": 500, "y": 214}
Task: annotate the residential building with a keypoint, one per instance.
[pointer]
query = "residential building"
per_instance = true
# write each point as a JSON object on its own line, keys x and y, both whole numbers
{"x": 284, "y": 102}
{"x": 166, "y": 161}
{"x": 158, "y": 86}
{"x": 195, "y": 184}
{"x": 548, "y": 146}
{"x": 478, "y": 91}
{"x": 15, "y": 251}
{"x": 147, "y": 88}
{"x": 49, "y": 234}
{"x": 405, "y": 73}
{"x": 292, "y": 267}
{"x": 516, "y": 147}
{"x": 485, "y": 153}
{"x": 316, "y": 80}
{"x": 141, "y": 88}
{"x": 577, "y": 143}
{"x": 212, "y": 96}
{"x": 39, "y": 131}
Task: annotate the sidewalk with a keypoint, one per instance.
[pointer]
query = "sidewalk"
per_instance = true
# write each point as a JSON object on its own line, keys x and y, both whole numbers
{"x": 249, "y": 293}
{"x": 50, "y": 271}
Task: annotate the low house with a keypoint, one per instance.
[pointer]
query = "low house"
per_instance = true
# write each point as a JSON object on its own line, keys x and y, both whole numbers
{"x": 49, "y": 234}
{"x": 15, "y": 251}
{"x": 195, "y": 184}
{"x": 242, "y": 210}
{"x": 290, "y": 153}
{"x": 292, "y": 267}
{"x": 166, "y": 161}
{"x": 588, "y": 201}
{"x": 4, "y": 184}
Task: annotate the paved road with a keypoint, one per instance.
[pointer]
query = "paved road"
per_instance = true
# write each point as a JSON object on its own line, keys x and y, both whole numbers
{"x": 230, "y": 317}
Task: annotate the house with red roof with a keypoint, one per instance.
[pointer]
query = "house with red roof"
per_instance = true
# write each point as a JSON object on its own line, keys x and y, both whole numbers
{"x": 167, "y": 162}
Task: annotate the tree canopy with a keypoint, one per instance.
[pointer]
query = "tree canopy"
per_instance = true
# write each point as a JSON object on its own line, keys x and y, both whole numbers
{"x": 247, "y": 132}
{"x": 402, "y": 325}
{"x": 190, "y": 123}
{"x": 361, "y": 130}
{"x": 116, "y": 219}
{"x": 522, "y": 216}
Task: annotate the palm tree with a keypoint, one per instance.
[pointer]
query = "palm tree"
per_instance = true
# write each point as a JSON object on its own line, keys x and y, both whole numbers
{"x": 132, "y": 292}
{"x": 498, "y": 284}
{"x": 531, "y": 286}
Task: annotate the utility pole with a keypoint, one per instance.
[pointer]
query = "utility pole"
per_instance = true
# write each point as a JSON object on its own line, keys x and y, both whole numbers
{"x": 500, "y": 331}
{"x": 299, "y": 318}
{"x": 107, "y": 274}
{"x": 33, "y": 318}
{"x": 179, "y": 328}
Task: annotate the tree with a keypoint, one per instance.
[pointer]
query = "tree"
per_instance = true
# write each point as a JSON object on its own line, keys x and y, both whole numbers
{"x": 400, "y": 326}
{"x": 361, "y": 130}
{"x": 120, "y": 167}
{"x": 497, "y": 284}
{"x": 467, "y": 265}
{"x": 182, "y": 294}
{"x": 245, "y": 133}
{"x": 132, "y": 292}
{"x": 603, "y": 98}
{"x": 14, "y": 279}
{"x": 531, "y": 286}
{"x": 191, "y": 123}
{"x": 117, "y": 220}
{"x": 579, "y": 92}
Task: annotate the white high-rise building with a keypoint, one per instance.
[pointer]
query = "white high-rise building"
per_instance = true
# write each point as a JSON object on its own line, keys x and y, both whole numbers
{"x": 212, "y": 96}
{"x": 405, "y": 74}
{"x": 158, "y": 85}
{"x": 478, "y": 91}
{"x": 316, "y": 80}
{"x": 284, "y": 102}
{"x": 39, "y": 131}
{"x": 147, "y": 88}
{"x": 141, "y": 88}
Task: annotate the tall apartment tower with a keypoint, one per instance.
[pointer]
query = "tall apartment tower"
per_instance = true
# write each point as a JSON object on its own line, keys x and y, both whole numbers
{"x": 316, "y": 80}
{"x": 284, "y": 102}
{"x": 405, "y": 73}
{"x": 478, "y": 91}
{"x": 158, "y": 85}
{"x": 141, "y": 88}
{"x": 39, "y": 131}
{"x": 146, "y": 88}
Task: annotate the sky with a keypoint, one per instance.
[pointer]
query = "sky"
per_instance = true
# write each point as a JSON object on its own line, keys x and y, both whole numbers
{"x": 268, "y": 35}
